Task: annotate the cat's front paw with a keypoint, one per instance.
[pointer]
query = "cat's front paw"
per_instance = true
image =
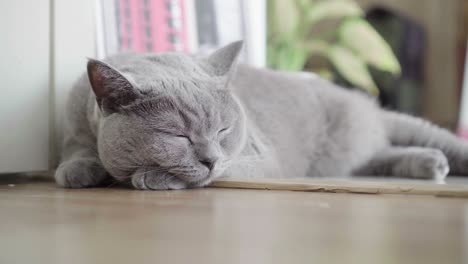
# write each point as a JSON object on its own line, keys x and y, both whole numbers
{"x": 80, "y": 173}
{"x": 432, "y": 165}
{"x": 150, "y": 180}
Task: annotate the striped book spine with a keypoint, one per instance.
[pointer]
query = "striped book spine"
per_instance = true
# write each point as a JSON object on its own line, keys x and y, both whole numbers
{"x": 152, "y": 25}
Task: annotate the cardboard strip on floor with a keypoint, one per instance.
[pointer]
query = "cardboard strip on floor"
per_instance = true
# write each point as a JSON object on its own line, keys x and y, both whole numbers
{"x": 345, "y": 186}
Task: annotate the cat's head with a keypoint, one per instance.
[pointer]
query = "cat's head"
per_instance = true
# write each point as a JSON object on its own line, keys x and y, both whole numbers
{"x": 168, "y": 121}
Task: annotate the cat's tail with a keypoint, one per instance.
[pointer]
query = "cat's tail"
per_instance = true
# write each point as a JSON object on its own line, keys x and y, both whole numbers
{"x": 405, "y": 130}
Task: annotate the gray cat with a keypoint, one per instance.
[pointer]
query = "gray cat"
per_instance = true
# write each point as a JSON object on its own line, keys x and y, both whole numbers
{"x": 172, "y": 121}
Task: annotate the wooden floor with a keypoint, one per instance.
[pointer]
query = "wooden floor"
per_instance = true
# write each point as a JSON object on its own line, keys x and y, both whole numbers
{"x": 40, "y": 223}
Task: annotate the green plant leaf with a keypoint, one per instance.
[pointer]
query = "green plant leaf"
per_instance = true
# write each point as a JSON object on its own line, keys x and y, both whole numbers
{"x": 352, "y": 68}
{"x": 278, "y": 23}
{"x": 317, "y": 47}
{"x": 290, "y": 57}
{"x": 304, "y": 4}
{"x": 325, "y": 73}
{"x": 333, "y": 9}
{"x": 359, "y": 36}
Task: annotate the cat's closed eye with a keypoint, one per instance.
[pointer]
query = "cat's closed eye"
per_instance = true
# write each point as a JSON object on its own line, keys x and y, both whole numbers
{"x": 184, "y": 137}
{"x": 223, "y": 130}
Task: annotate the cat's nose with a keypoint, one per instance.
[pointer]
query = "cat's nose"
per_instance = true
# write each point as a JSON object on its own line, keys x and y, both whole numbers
{"x": 209, "y": 163}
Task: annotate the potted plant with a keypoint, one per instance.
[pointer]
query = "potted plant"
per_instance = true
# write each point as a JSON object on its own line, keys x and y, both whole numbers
{"x": 334, "y": 31}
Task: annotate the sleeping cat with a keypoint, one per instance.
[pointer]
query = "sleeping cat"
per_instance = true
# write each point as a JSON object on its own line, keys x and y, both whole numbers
{"x": 172, "y": 121}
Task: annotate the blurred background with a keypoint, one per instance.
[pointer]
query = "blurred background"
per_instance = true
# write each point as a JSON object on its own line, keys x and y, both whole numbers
{"x": 409, "y": 54}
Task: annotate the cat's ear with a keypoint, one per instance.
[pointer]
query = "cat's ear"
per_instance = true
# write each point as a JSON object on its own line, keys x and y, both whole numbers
{"x": 223, "y": 60}
{"x": 112, "y": 89}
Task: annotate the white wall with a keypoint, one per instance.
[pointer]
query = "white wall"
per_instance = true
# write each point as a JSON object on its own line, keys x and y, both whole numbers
{"x": 24, "y": 73}
{"x": 73, "y": 42}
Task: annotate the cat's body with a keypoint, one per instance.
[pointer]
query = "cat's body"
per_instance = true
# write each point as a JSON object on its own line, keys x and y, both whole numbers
{"x": 246, "y": 123}
{"x": 313, "y": 127}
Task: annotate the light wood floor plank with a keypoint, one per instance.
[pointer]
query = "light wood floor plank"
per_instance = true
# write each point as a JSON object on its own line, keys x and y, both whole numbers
{"x": 40, "y": 223}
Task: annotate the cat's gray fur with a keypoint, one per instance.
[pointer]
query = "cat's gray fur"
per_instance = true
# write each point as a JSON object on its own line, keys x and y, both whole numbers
{"x": 171, "y": 121}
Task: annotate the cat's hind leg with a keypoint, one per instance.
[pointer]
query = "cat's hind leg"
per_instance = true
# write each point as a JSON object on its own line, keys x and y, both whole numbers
{"x": 408, "y": 162}
{"x": 80, "y": 168}
{"x": 404, "y": 130}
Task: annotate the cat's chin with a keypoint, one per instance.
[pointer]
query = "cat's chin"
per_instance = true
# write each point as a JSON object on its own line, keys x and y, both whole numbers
{"x": 144, "y": 181}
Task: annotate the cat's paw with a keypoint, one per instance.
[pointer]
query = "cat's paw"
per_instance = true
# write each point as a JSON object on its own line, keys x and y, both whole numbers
{"x": 148, "y": 180}
{"x": 431, "y": 164}
{"x": 80, "y": 173}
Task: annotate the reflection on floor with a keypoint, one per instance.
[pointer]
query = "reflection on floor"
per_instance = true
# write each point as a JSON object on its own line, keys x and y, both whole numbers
{"x": 41, "y": 223}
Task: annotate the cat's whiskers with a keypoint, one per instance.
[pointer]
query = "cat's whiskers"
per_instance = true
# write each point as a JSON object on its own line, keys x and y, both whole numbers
{"x": 182, "y": 170}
